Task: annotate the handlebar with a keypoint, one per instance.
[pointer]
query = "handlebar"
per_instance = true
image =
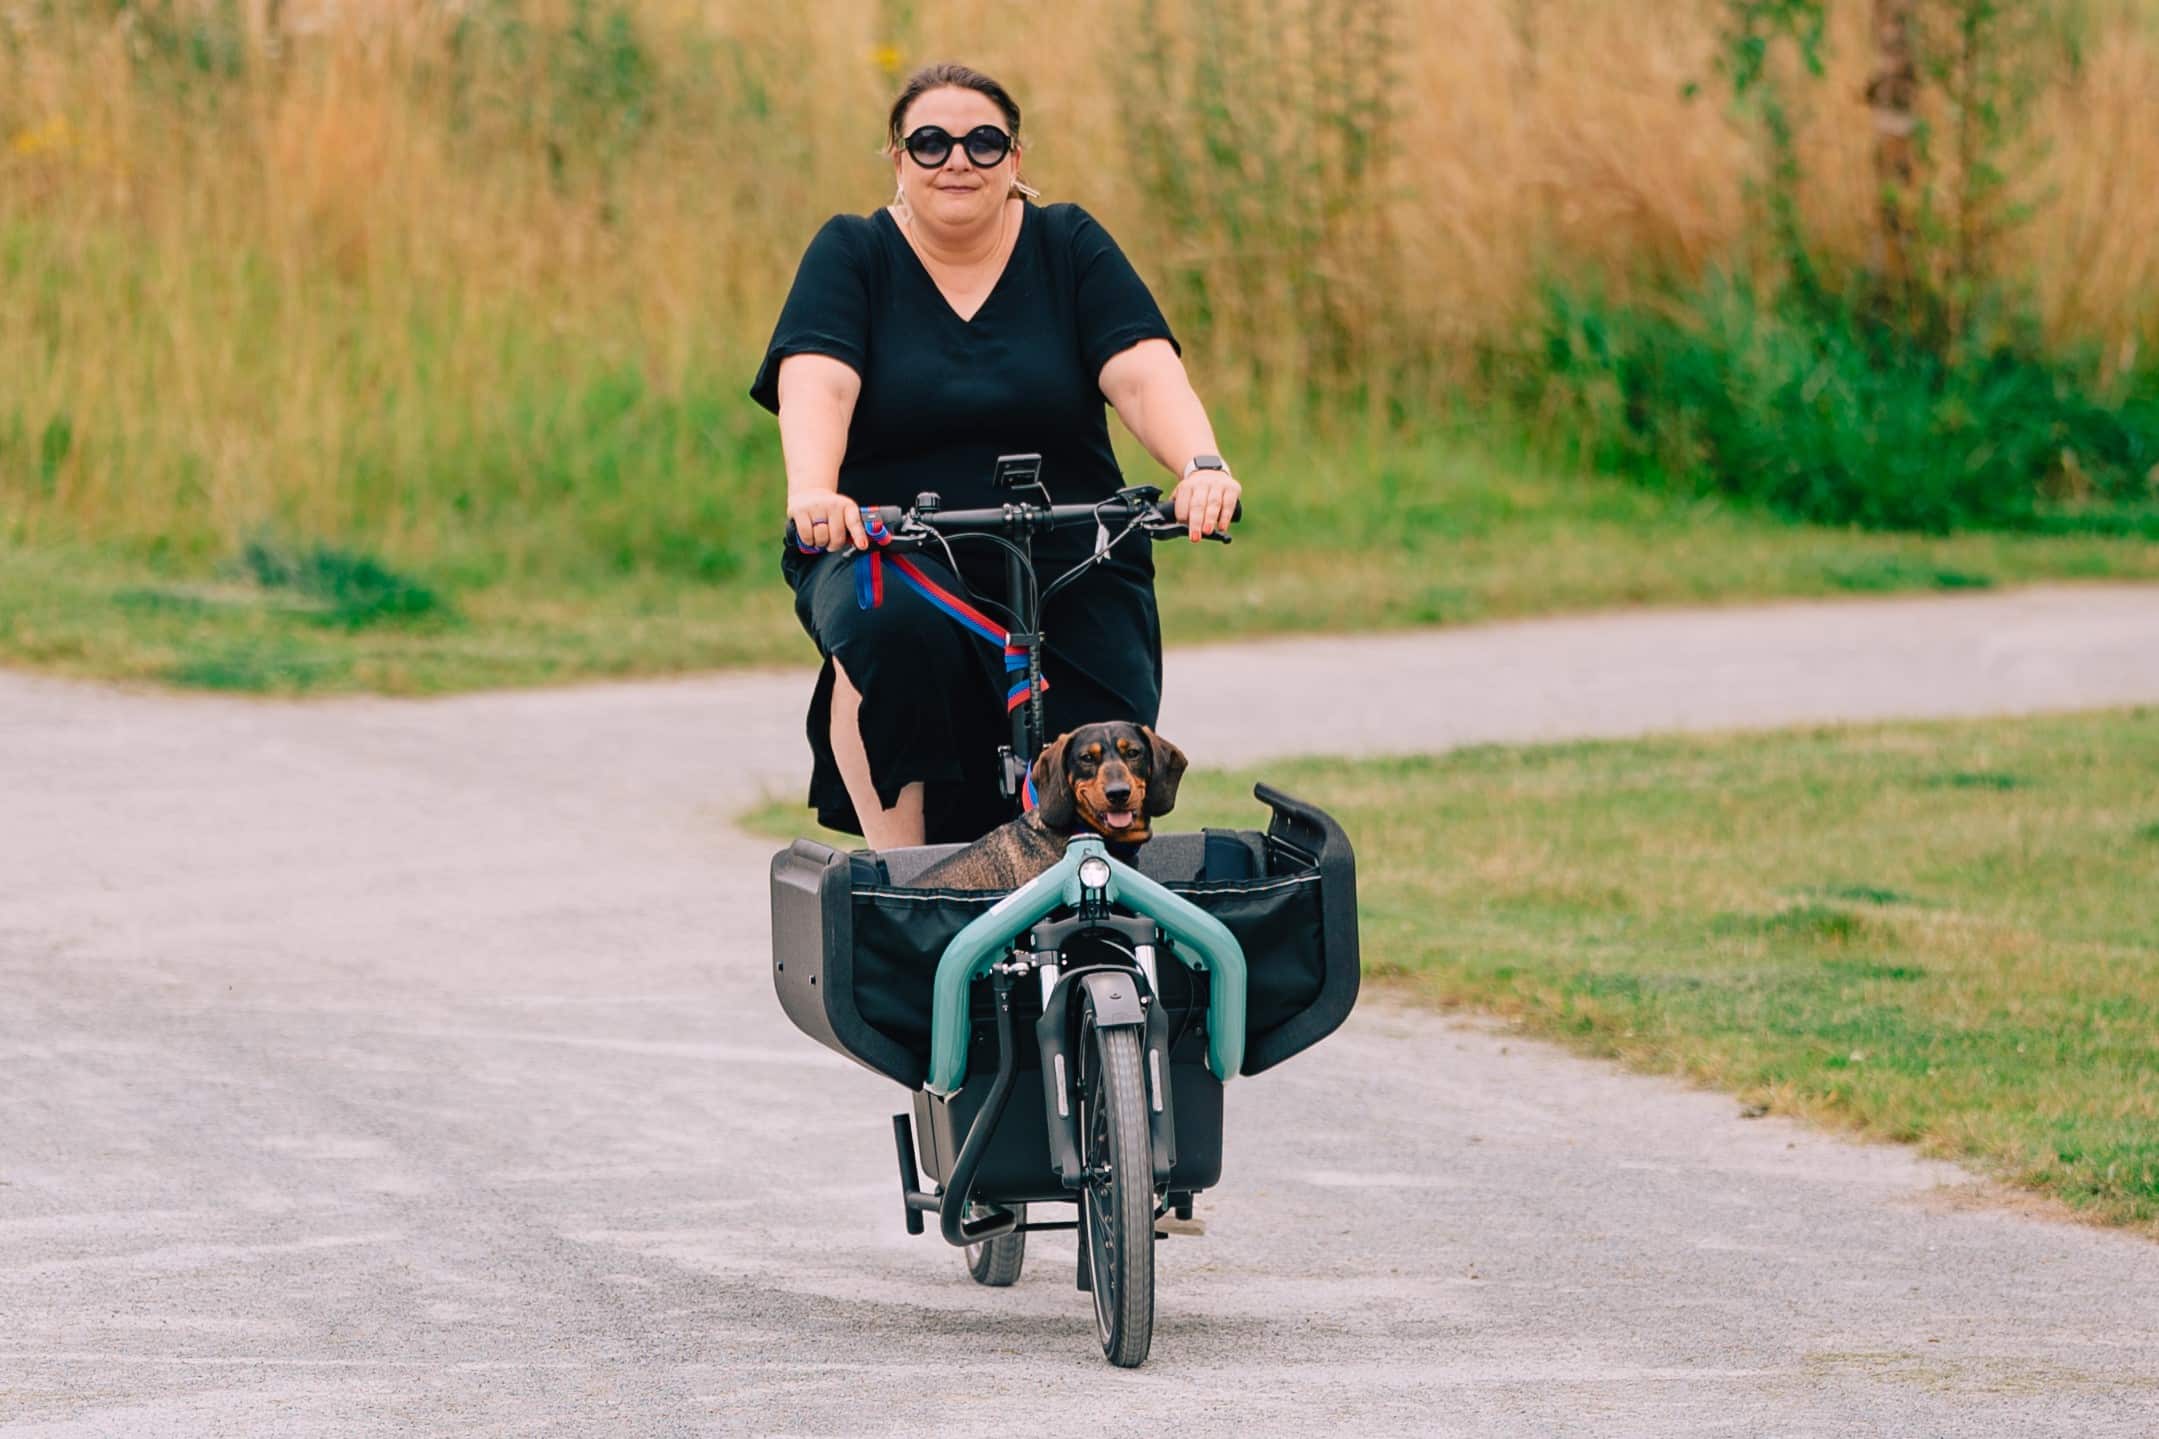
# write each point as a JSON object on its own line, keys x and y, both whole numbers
{"x": 909, "y": 524}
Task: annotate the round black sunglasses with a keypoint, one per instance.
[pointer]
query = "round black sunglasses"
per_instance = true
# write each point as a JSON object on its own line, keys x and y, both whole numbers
{"x": 931, "y": 145}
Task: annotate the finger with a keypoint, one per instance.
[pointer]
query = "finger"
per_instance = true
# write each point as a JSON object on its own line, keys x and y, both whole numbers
{"x": 857, "y": 532}
{"x": 1201, "y": 492}
{"x": 1217, "y": 511}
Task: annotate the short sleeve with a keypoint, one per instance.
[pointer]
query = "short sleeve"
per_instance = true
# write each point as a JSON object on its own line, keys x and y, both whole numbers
{"x": 1116, "y": 311}
{"x": 827, "y": 312}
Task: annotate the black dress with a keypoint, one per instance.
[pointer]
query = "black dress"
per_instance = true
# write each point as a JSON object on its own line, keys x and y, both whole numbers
{"x": 941, "y": 398}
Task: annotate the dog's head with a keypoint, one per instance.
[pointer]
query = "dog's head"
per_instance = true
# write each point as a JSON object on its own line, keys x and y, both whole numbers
{"x": 1112, "y": 778}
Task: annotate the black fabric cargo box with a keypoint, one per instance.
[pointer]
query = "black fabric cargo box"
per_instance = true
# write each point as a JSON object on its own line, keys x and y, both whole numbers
{"x": 855, "y": 949}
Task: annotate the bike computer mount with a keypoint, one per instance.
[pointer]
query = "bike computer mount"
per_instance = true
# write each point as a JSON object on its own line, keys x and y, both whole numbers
{"x": 1020, "y": 472}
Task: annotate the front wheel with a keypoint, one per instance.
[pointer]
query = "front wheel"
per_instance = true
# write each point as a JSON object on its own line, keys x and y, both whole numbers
{"x": 1118, "y": 1202}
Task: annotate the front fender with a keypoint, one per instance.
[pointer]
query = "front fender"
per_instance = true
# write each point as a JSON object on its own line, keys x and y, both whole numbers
{"x": 1113, "y": 997}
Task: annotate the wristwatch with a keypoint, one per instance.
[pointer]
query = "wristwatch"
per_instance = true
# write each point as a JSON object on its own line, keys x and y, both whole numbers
{"x": 1204, "y": 462}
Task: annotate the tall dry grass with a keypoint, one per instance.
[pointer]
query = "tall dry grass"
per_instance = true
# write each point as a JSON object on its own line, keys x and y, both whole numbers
{"x": 480, "y": 283}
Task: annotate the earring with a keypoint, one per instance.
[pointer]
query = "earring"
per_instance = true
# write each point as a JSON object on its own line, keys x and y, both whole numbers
{"x": 1021, "y": 187}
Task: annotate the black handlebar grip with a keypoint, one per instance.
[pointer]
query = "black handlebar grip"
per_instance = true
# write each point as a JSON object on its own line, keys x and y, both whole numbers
{"x": 890, "y": 516}
{"x": 1167, "y": 509}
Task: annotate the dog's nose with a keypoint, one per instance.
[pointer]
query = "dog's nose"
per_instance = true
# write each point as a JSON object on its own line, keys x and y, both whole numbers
{"x": 1117, "y": 794}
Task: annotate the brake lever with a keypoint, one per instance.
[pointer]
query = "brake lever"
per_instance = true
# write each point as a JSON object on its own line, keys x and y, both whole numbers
{"x": 1164, "y": 526}
{"x": 1170, "y": 529}
{"x": 903, "y": 541}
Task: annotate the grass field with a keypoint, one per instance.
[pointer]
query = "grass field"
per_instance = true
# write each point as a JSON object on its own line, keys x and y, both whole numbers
{"x": 1441, "y": 531}
{"x": 471, "y": 291}
{"x": 1946, "y": 935}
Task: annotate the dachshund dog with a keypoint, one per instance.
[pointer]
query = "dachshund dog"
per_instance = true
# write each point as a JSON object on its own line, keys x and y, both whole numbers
{"x": 1110, "y": 779}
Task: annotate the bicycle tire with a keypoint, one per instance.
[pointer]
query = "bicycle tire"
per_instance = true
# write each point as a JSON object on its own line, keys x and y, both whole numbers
{"x": 996, "y": 1263}
{"x": 1118, "y": 1202}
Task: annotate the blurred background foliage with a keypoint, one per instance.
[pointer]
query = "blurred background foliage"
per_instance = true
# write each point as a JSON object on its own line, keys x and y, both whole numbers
{"x": 476, "y": 285}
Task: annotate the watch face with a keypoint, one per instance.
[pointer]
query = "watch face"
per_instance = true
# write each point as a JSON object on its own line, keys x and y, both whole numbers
{"x": 1206, "y": 462}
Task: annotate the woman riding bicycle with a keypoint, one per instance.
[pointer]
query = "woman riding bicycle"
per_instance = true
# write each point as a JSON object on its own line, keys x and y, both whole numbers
{"x": 919, "y": 343}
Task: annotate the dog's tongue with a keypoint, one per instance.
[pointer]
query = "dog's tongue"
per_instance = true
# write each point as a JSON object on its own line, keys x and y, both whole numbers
{"x": 1118, "y": 819}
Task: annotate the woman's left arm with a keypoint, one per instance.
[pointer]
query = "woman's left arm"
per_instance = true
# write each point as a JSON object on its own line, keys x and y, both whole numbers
{"x": 1148, "y": 388}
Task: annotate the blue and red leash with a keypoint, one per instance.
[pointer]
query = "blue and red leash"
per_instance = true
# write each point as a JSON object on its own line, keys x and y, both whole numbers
{"x": 870, "y": 595}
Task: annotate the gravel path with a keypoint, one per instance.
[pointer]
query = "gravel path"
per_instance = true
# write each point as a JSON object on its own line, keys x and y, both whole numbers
{"x": 382, "y": 1068}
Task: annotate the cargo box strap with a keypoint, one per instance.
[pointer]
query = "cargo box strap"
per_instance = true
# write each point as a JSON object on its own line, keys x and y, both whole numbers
{"x": 1203, "y": 942}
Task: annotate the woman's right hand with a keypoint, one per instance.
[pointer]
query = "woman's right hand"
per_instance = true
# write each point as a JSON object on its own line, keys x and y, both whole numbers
{"x": 826, "y": 519}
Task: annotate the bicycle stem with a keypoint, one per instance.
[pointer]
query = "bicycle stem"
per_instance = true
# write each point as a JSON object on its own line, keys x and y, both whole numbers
{"x": 1028, "y": 717}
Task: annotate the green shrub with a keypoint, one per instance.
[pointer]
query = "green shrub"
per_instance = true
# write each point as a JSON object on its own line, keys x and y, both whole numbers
{"x": 1829, "y": 415}
{"x": 354, "y": 588}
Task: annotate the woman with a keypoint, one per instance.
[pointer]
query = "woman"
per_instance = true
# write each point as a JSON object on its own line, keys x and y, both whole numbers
{"x": 919, "y": 343}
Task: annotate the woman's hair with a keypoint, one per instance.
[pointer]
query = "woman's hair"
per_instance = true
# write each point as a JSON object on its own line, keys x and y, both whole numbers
{"x": 937, "y": 77}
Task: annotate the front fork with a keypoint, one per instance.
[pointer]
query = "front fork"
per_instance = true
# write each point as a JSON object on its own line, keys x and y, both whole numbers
{"x": 1116, "y": 997}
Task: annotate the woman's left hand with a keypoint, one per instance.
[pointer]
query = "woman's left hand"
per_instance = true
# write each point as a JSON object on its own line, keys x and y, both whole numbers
{"x": 1205, "y": 500}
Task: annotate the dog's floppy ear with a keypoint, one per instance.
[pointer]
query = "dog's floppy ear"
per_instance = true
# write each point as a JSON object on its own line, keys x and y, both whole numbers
{"x": 1053, "y": 794}
{"x": 1169, "y": 765}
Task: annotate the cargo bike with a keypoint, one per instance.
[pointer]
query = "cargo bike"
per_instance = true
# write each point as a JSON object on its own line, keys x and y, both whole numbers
{"x": 1067, "y": 1042}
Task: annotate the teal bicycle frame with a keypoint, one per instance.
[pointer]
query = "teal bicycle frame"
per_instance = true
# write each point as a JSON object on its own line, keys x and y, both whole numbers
{"x": 1199, "y": 939}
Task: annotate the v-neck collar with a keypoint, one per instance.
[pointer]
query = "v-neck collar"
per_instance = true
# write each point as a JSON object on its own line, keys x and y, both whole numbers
{"x": 915, "y": 258}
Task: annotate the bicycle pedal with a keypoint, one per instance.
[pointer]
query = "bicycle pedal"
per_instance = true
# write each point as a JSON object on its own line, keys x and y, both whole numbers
{"x": 1170, "y": 1224}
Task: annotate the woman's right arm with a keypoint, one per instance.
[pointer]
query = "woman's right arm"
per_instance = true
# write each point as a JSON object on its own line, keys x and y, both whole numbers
{"x": 817, "y": 403}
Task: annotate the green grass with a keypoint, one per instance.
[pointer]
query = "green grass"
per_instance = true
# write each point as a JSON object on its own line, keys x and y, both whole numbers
{"x": 82, "y": 612}
{"x": 1445, "y": 530}
{"x": 1940, "y": 934}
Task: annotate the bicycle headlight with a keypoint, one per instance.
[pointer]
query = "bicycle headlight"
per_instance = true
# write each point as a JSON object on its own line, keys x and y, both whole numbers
{"x": 1094, "y": 872}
